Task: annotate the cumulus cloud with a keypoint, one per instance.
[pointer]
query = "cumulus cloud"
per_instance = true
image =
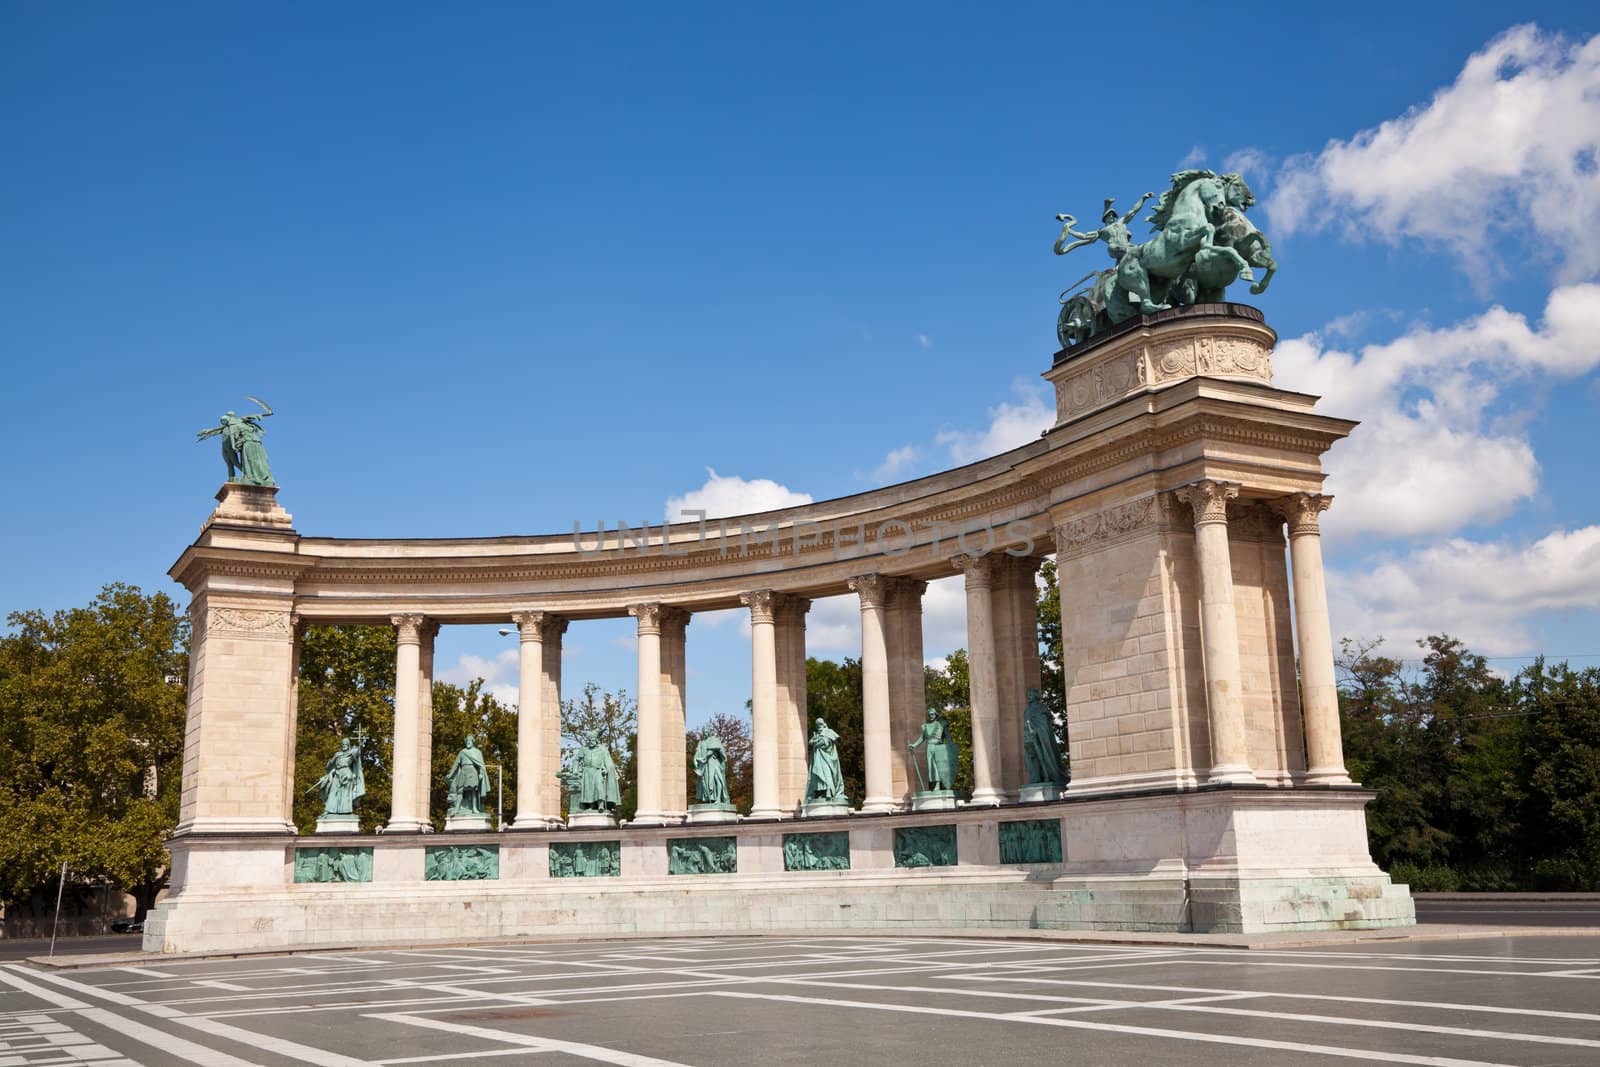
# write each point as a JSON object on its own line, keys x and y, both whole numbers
{"x": 1442, "y": 446}
{"x": 1011, "y": 423}
{"x": 1254, "y": 163}
{"x": 924, "y": 340}
{"x": 500, "y": 674}
{"x": 1509, "y": 149}
{"x": 1485, "y": 593}
{"x": 724, "y": 495}
{"x": 1193, "y": 158}
{"x": 896, "y": 463}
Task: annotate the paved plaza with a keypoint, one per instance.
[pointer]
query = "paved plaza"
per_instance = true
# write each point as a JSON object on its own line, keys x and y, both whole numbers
{"x": 839, "y": 1000}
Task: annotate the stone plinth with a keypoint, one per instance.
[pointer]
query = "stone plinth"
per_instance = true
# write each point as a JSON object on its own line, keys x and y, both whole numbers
{"x": 699, "y": 813}
{"x": 824, "y": 809}
{"x": 588, "y": 820}
{"x": 249, "y": 505}
{"x": 338, "y": 824}
{"x": 1157, "y": 351}
{"x": 458, "y": 823}
{"x": 934, "y": 800}
{"x": 1035, "y": 794}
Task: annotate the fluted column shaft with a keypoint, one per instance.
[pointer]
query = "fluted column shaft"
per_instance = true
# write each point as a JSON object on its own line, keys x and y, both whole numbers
{"x": 536, "y": 628}
{"x": 425, "y": 645}
{"x": 984, "y": 677}
{"x": 875, "y": 707}
{"x": 763, "y": 703}
{"x": 648, "y": 743}
{"x": 1219, "y": 630}
{"x": 1319, "y": 695}
{"x": 403, "y": 810}
{"x": 790, "y": 631}
{"x": 674, "y": 671}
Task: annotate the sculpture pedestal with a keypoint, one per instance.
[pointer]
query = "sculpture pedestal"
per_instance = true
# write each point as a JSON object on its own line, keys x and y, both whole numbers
{"x": 1039, "y": 793}
{"x": 713, "y": 813}
{"x": 478, "y": 823}
{"x": 338, "y": 824}
{"x": 822, "y": 809}
{"x": 591, "y": 820}
{"x": 933, "y": 800}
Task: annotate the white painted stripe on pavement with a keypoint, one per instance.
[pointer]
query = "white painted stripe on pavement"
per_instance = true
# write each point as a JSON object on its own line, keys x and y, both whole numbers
{"x": 571, "y": 1048}
{"x": 292, "y": 1049}
{"x": 1381, "y": 1056}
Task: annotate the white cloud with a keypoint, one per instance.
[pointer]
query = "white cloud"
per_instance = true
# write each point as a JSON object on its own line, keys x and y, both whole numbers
{"x": 833, "y": 626}
{"x": 724, "y": 495}
{"x": 626, "y": 642}
{"x": 1192, "y": 158}
{"x": 1508, "y": 149}
{"x": 924, "y": 340}
{"x": 1010, "y": 424}
{"x": 1441, "y": 446}
{"x": 500, "y": 674}
{"x": 896, "y": 462}
{"x": 1254, "y": 163}
{"x": 1485, "y": 593}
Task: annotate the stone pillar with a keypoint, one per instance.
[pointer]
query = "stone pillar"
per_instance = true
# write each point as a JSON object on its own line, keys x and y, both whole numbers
{"x": 1219, "y": 630}
{"x": 763, "y": 704}
{"x": 404, "y": 812}
{"x": 535, "y": 628}
{"x": 550, "y": 715}
{"x": 291, "y": 727}
{"x": 875, "y": 727}
{"x": 984, "y": 677}
{"x": 674, "y": 673}
{"x": 647, "y": 748}
{"x": 1319, "y": 695}
{"x": 907, "y": 687}
{"x": 790, "y": 637}
{"x": 426, "y": 634}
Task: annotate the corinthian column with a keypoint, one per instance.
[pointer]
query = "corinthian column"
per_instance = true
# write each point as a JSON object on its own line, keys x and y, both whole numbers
{"x": 403, "y": 810}
{"x": 648, "y": 745}
{"x": 763, "y": 703}
{"x": 875, "y": 730}
{"x": 425, "y": 639}
{"x": 1219, "y": 629}
{"x": 536, "y": 628}
{"x": 983, "y": 676}
{"x": 1319, "y": 696}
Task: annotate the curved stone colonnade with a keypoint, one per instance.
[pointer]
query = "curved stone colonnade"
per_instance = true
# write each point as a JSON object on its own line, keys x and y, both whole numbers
{"x": 1163, "y": 490}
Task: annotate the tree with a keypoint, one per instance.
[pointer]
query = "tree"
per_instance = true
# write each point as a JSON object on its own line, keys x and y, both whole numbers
{"x": 1562, "y": 709}
{"x": 91, "y": 716}
{"x": 736, "y": 742}
{"x": 346, "y": 686}
{"x": 613, "y": 719}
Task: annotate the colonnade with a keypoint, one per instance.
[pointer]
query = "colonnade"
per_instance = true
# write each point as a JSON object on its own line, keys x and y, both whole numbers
{"x": 1003, "y": 655}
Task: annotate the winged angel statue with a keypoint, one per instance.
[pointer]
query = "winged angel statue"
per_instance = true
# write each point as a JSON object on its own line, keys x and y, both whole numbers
{"x": 242, "y": 449}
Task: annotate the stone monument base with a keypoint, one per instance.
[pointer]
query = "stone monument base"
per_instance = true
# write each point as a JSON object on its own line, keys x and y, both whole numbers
{"x": 338, "y": 824}
{"x": 478, "y": 823}
{"x": 1209, "y": 860}
{"x": 699, "y": 813}
{"x": 591, "y": 820}
{"x": 1034, "y": 794}
{"x": 824, "y": 809}
{"x": 933, "y": 800}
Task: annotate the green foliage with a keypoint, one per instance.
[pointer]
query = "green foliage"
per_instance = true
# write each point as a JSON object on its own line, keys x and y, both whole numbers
{"x": 458, "y": 712}
{"x": 613, "y": 719}
{"x": 91, "y": 715}
{"x": 1482, "y": 783}
{"x": 346, "y": 685}
{"x": 833, "y": 694}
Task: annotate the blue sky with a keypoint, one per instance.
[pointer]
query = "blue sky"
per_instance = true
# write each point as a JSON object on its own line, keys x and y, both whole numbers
{"x": 503, "y": 267}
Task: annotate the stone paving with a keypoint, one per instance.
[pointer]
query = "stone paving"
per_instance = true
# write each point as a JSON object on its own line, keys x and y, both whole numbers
{"x": 836, "y": 1000}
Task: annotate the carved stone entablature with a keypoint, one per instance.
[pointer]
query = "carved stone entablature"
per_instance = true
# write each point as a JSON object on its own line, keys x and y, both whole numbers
{"x": 1111, "y": 526}
{"x": 1303, "y": 511}
{"x": 253, "y": 623}
{"x": 1158, "y": 355}
{"x": 1209, "y": 498}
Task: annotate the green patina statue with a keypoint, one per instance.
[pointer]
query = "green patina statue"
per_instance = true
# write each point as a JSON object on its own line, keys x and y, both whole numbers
{"x": 333, "y": 865}
{"x": 591, "y": 780}
{"x": 825, "y": 782}
{"x": 467, "y": 782}
{"x": 702, "y": 855}
{"x": 1039, "y": 748}
{"x": 586, "y": 859}
{"x": 460, "y": 863}
{"x": 942, "y": 754}
{"x": 342, "y": 783}
{"x": 1202, "y": 243}
{"x": 242, "y": 449}
{"x": 711, "y": 771}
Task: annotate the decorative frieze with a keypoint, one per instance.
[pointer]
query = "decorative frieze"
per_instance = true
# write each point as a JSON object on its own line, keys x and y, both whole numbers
{"x": 251, "y": 623}
{"x": 586, "y": 859}
{"x": 828, "y": 851}
{"x": 460, "y": 863}
{"x": 333, "y": 865}
{"x": 925, "y": 846}
{"x": 702, "y": 855}
{"x": 1031, "y": 841}
{"x": 1114, "y": 524}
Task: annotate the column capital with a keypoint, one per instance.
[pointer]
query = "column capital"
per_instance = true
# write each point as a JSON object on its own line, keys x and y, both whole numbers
{"x": 655, "y": 617}
{"x": 1302, "y": 511}
{"x": 980, "y": 570}
{"x": 1209, "y": 499}
{"x": 409, "y": 627}
{"x": 428, "y": 630}
{"x": 297, "y": 624}
{"x": 873, "y": 589}
{"x": 538, "y": 625}
{"x": 906, "y": 592}
{"x": 762, "y": 604}
{"x": 791, "y": 607}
